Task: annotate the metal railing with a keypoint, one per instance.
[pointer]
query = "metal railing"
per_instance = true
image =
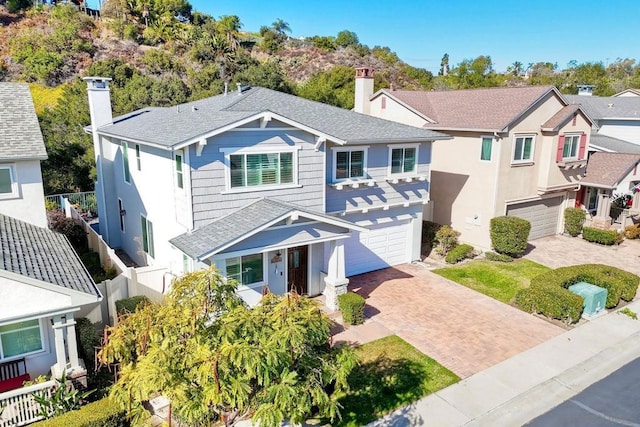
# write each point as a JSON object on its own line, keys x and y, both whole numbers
{"x": 19, "y": 408}
{"x": 85, "y": 201}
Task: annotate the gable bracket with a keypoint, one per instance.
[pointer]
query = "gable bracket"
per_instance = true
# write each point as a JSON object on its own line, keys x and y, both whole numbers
{"x": 201, "y": 144}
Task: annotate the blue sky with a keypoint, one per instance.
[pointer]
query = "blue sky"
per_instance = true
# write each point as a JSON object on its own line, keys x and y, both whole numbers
{"x": 420, "y": 32}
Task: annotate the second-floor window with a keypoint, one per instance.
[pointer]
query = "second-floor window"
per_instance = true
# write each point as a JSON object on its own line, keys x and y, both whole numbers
{"x": 8, "y": 185}
{"x": 257, "y": 169}
{"x": 147, "y": 236}
{"x": 349, "y": 164}
{"x": 571, "y": 145}
{"x": 179, "y": 177}
{"x": 485, "y": 151}
{"x": 138, "y": 164}
{"x": 404, "y": 160}
{"x": 523, "y": 150}
{"x": 125, "y": 162}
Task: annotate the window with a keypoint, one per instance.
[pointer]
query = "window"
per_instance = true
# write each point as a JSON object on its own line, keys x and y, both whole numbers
{"x": 250, "y": 170}
{"x": 403, "y": 160}
{"x": 122, "y": 213}
{"x": 179, "y": 178}
{"x": 125, "y": 162}
{"x": 246, "y": 269}
{"x": 20, "y": 338}
{"x": 7, "y": 184}
{"x": 485, "y": 152}
{"x": 349, "y": 164}
{"x": 138, "y": 164}
{"x": 571, "y": 144}
{"x": 592, "y": 199}
{"x": 523, "y": 151}
{"x": 147, "y": 236}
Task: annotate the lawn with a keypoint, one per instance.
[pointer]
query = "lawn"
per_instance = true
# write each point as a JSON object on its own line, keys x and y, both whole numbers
{"x": 391, "y": 374}
{"x": 499, "y": 280}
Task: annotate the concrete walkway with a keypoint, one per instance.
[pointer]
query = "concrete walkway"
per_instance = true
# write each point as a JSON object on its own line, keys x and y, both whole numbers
{"x": 529, "y": 384}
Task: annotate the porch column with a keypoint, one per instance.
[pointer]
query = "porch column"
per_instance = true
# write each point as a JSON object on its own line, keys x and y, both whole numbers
{"x": 604, "y": 205}
{"x": 336, "y": 280}
{"x": 61, "y": 355}
{"x": 636, "y": 201}
{"x": 72, "y": 345}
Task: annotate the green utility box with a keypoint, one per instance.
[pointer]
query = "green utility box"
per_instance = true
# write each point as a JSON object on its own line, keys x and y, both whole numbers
{"x": 594, "y": 296}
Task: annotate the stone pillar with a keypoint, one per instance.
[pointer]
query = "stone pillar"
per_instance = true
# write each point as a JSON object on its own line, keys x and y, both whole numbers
{"x": 336, "y": 281}
{"x": 61, "y": 355}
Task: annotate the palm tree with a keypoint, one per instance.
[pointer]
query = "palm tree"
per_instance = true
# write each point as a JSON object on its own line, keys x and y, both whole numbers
{"x": 281, "y": 27}
{"x": 230, "y": 25}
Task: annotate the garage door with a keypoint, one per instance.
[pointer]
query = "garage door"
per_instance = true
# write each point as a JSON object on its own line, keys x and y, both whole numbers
{"x": 381, "y": 247}
{"x": 542, "y": 214}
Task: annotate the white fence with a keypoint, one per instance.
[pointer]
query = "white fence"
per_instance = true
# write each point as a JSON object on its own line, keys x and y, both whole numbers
{"x": 19, "y": 408}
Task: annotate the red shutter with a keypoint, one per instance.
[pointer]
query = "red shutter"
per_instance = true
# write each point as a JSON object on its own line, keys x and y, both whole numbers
{"x": 579, "y": 197}
{"x": 583, "y": 146}
{"x": 560, "y": 148}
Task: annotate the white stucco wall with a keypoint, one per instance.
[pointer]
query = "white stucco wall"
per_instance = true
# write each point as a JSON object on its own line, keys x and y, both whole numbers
{"x": 627, "y": 130}
{"x": 27, "y": 204}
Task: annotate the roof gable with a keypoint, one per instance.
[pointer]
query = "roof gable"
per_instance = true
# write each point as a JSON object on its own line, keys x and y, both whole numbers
{"x": 20, "y": 135}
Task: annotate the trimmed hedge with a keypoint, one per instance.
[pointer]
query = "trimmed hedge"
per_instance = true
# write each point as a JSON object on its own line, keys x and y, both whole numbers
{"x": 492, "y": 256}
{"x": 573, "y": 220}
{"x": 87, "y": 338}
{"x": 604, "y": 237}
{"x": 459, "y": 253}
{"x": 352, "y": 308}
{"x": 552, "y": 301}
{"x": 509, "y": 235}
{"x": 129, "y": 305}
{"x": 101, "y": 413}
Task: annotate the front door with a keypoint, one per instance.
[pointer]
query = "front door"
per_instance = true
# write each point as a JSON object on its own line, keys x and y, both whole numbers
{"x": 297, "y": 269}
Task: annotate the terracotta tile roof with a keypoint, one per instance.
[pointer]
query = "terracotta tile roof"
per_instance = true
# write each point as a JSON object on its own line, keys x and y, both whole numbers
{"x": 486, "y": 109}
{"x": 607, "y": 169}
{"x": 560, "y": 117}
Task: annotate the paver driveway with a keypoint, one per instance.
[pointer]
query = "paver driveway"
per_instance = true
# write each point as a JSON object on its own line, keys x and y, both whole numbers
{"x": 462, "y": 329}
{"x": 563, "y": 251}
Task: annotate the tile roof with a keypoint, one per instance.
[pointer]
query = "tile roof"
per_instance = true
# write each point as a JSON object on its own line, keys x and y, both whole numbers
{"x": 616, "y": 145}
{"x": 608, "y": 169}
{"x": 559, "y": 118}
{"x": 20, "y": 135}
{"x": 173, "y": 125}
{"x": 485, "y": 109}
{"x": 42, "y": 254}
{"x": 224, "y": 230}
{"x": 603, "y": 107}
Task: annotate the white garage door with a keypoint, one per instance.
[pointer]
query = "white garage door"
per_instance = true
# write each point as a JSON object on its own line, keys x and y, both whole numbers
{"x": 542, "y": 214}
{"x": 383, "y": 246}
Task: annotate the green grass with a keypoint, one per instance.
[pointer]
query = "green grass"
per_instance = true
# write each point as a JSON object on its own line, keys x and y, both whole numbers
{"x": 499, "y": 280}
{"x": 391, "y": 374}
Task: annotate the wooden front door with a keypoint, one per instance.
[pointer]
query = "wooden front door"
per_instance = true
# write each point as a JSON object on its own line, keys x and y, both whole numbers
{"x": 297, "y": 269}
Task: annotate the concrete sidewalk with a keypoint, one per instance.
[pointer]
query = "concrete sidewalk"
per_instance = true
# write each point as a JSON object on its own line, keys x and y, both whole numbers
{"x": 529, "y": 384}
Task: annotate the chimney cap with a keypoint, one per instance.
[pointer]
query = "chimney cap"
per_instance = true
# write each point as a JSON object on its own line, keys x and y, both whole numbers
{"x": 364, "y": 72}
{"x": 107, "y": 79}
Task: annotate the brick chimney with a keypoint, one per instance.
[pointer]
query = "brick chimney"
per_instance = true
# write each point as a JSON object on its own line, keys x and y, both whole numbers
{"x": 364, "y": 89}
{"x": 99, "y": 101}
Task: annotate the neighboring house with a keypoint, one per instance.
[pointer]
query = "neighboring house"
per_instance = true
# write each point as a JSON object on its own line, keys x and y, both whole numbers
{"x": 272, "y": 189}
{"x": 515, "y": 151}
{"x": 42, "y": 281}
{"x": 628, "y": 92}
{"x": 21, "y": 150}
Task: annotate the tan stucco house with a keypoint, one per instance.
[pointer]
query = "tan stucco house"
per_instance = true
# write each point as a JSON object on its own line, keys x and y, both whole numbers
{"x": 515, "y": 151}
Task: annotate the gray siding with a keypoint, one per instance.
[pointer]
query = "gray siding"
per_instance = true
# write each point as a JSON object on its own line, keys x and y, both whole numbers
{"x": 208, "y": 174}
{"x": 349, "y": 199}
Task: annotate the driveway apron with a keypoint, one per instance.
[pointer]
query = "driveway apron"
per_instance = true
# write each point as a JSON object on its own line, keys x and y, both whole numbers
{"x": 463, "y": 330}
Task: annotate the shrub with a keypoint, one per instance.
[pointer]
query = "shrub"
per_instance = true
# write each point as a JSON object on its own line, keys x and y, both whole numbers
{"x": 459, "y": 253}
{"x": 101, "y": 413}
{"x": 492, "y": 256}
{"x": 70, "y": 227}
{"x": 87, "y": 338}
{"x": 552, "y": 301}
{"x": 352, "y": 308}
{"x": 632, "y": 231}
{"x": 573, "y": 220}
{"x": 509, "y": 235}
{"x": 604, "y": 237}
{"x": 129, "y": 305}
{"x": 447, "y": 239}
{"x": 429, "y": 230}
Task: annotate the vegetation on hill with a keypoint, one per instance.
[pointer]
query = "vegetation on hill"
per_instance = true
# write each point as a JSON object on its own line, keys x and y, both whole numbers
{"x": 162, "y": 52}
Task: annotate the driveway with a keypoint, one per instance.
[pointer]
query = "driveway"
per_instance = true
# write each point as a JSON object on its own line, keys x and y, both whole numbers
{"x": 463, "y": 330}
{"x": 563, "y": 251}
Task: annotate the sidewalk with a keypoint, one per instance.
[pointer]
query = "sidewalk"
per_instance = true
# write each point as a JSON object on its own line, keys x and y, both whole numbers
{"x": 529, "y": 384}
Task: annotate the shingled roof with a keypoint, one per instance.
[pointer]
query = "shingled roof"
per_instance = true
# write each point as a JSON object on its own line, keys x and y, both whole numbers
{"x": 608, "y": 107}
{"x": 609, "y": 143}
{"x": 20, "y": 135}
{"x": 487, "y": 109}
{"x": 42, "y": 254}
{"x": 606, "y": 170}
{"x": 174, "y": 125}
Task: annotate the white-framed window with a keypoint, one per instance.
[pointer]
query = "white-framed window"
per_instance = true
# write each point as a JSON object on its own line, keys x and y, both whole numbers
{"x": 261, "y": 169}
{"x": 138, "y": 162}
{"x": 571, "y": 146}
{"x": 246, "y": 270}
{"x": 125, "y": 162}
{"x": 403, "y": 159}
{"x": 523, "y": 148}
{"x": 20, "y": 339}
{"x": 178, "y": 166}
{"x": 349, "y": 163}
{"x": 592, "y": 199}
{"x": 486, "y": 147}
{"x": 147, "y": 236}
{"x": 8, "y": 182}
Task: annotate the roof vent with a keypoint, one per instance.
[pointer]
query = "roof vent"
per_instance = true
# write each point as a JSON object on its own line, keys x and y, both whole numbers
{"x": 610, "y": 105}
{"x": 239, "y": 88}
{"x": 194, "y": 108}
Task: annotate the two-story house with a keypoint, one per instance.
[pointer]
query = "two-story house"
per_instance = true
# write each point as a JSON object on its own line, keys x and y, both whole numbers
{"x": 515, "y": 151}
{"x": 272, "y": 189}
{"x": 43, "y": 283}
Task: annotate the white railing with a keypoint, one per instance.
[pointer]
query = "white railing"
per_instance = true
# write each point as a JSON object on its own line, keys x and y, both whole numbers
{"x": 19, "y": 408}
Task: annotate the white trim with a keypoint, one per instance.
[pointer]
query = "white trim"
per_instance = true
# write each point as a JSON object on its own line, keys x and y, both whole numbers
{"x": 266, "y": 249}
{"x": 13, "y": 177}
{"x": 365, "y": 155}
{"x": 280, "y": 128}
{"x": 228, "y": 152}
{"x": 132, "y": 140}
{"x": 43, "y": 342}
{"x": 533, "y": 149}
{"x": 126, "y": 169}
{"x": 572, "y": 135}
{"x": 178, "y": 174}
{"x": 260, "y": 188}
{"x": 259, "y": 149}
{"x": 153, "y": 246}
{"x": 186, "y": 160}
{"x": 482, "y": 137}
{"x": 400, "y": 175}
{"x": 138, "y": 157}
